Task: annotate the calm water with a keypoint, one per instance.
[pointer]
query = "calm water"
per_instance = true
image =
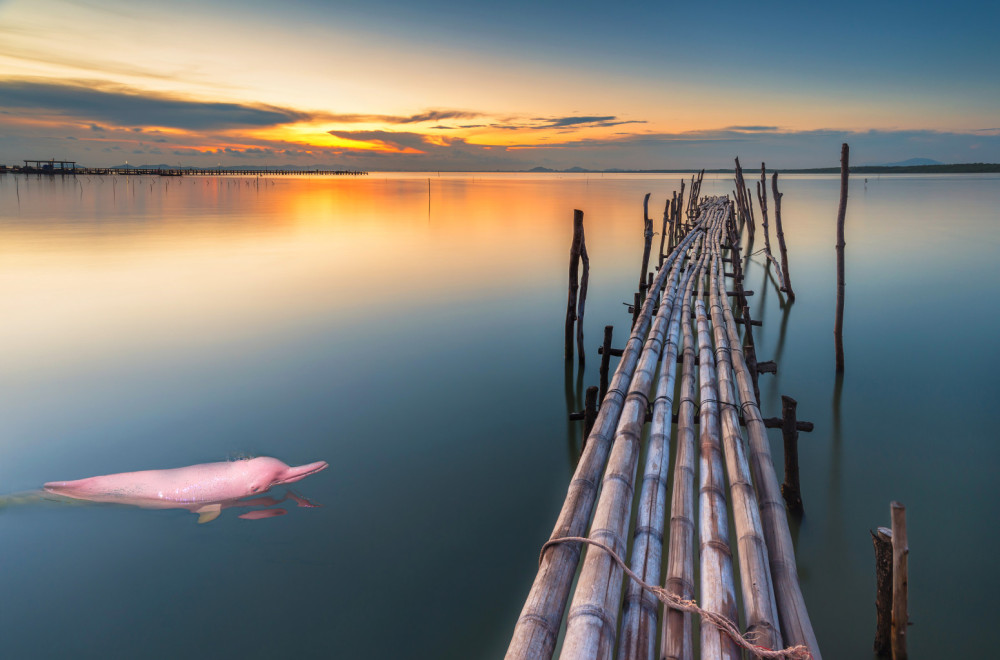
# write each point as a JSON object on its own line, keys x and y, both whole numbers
{"x": 409, "y": 331}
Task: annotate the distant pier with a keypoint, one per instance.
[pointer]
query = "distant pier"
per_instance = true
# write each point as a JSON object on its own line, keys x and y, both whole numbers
{"x": 68, "y": 167}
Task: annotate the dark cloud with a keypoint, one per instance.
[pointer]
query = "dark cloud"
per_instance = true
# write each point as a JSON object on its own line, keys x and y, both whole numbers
{"x": 752, "y": 129}
{"x": 429, "y": 115}
{"x": 570, "y": 124}
{"x": 128, "y": 107}
{"x": 399, "y": 140}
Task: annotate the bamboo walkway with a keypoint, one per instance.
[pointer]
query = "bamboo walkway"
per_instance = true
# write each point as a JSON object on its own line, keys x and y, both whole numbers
{"x": 686, "y": 314}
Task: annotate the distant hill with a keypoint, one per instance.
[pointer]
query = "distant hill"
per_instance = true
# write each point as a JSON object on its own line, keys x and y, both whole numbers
{"x": 958, "y": 168}
{"x": 909, "y": 163}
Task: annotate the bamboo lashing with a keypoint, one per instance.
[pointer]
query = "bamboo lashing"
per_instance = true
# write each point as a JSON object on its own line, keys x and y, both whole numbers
{"x": 725, "y": 625}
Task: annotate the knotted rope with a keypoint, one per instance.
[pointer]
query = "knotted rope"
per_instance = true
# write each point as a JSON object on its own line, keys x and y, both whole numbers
{"x": 676, "y": 602}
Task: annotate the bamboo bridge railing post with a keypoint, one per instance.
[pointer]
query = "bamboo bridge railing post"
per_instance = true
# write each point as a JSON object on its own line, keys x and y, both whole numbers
{"x": 538, "y": 625}
{"x": 900, "y": 581}
{"x": 838, "y": 327}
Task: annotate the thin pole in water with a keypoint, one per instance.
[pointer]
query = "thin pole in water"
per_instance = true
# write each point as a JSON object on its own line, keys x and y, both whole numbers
{"x": 838, "y": 328}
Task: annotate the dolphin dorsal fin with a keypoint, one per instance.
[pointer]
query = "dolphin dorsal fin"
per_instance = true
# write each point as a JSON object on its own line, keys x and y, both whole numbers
{"x": 208, "y": 513}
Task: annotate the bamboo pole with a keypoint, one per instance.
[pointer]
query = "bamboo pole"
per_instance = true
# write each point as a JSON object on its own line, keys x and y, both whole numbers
{"x": 796, "y": 628}
{"x": 538, "y": 625}
{"x": 838, "y": 327}
{"x": 637, "y": 639}
{"x": 717, "y": 593}
{"x": 882, "y": 541}
{"x": 676, "y": 642}
{"x": 781, "y": 238}
{"x": 574, "y": 264}
{"x": 758, "y": 592}
{"x": 593, "y": 612}
{"x": 900, "y": 581}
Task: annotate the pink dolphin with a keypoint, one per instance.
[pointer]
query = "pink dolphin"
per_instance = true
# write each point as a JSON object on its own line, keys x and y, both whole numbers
{"x": 205, "y": 489}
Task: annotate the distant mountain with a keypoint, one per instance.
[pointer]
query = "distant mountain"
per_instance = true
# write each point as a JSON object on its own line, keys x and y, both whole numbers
{"x": 541, "y": 169}
{"x": 912, "y": 162}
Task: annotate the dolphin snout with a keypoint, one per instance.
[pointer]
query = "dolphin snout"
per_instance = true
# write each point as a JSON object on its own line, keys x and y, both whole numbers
{"x": 294, "y": 474}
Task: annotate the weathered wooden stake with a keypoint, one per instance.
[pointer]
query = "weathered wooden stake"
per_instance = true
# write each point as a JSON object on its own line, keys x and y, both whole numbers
{"x": 635, "y": 308}
{"x": 838, "y": 328}
{"x": 589, "y": 412}
{"x": 574, "y": 285}
{"x": 663, "y": 232}
{"x": 882, "y": 541}
{"x": 781, "y": 238}
{"x": 647, "y": 244}
{"x": 606, "y": 359}
{"x": 790, "y": 488}
{"x": 584, "y": 280}
{"x": 900, "y": 586}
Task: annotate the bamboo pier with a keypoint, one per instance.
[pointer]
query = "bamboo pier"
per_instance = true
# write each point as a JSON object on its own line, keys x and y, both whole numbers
{"x": 683, "y": 369}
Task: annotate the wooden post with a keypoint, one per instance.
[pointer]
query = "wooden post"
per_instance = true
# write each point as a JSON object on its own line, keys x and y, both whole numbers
{"x": 584, "y": 280}
{"x": 838, "y": 327}
{"x": 589, "y": 411}
{"x": 635, "y": 308}
{"x": 790, "y": 488}
{"x": 606, "y": 359}
{"x": 900, "y": 586}
{"x": 663, "y": 232}
{"x": 781, "y": 238}
{"x": 750, "y": 356}
{"x": 647, "y": 242}
{"x": 882, "y": 541}
{"x": 574, "y": 264}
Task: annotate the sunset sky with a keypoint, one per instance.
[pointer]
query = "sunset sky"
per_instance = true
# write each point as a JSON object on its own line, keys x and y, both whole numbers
{"x": 443, "y": 85}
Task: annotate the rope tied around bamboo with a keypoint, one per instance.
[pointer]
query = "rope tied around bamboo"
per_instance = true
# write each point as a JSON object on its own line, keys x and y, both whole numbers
{"x": 676, "y": 602}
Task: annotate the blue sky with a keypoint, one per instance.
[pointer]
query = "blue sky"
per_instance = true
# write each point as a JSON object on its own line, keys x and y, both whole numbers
{"x": 384, "y": 84}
